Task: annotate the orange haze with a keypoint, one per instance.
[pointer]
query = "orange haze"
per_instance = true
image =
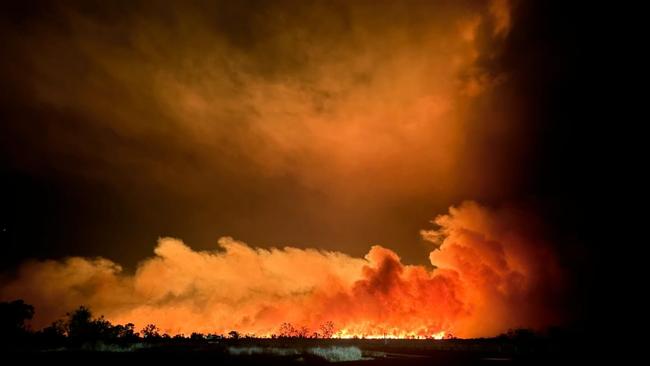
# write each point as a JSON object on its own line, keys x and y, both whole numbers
{"x": 490, "y": 272}
{"x": 327, "y": 124}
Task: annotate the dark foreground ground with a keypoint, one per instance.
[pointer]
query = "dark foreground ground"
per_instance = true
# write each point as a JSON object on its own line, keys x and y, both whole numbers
{"x": 310, "y": 352}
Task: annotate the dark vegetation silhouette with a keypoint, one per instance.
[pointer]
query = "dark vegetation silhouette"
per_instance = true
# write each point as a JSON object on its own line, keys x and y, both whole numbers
{"x": 81, "y": 330}
{"x": 151, "y": 331}
{"x": 13, "y": 318}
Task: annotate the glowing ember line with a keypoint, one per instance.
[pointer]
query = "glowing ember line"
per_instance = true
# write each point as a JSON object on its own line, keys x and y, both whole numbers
{"x": 344, "y": 334}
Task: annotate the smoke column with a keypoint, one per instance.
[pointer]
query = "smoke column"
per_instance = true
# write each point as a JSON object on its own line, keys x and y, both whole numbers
{"x": 490, "y": 271}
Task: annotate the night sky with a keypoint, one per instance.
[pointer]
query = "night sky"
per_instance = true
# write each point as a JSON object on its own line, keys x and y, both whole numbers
{"x": 331, "y": 125}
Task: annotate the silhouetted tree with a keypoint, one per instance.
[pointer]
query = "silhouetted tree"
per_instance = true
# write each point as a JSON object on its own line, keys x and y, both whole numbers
{"x": 127, "y": 331}
{"x": 57, "y": 329}
{"x": 327, "y": 329}
{"x": 233, "y": 334}
{"x": 104, "y": 329}
{"x": 303, "y": 332}
{"x": 287, "y": 330}
{"x": 13, "y": 316}
{"x": 197, "y": 336}
{"x": 150, "y": 331}
{"x": 78, "y": 325}
{"x": 53, "y": 335}
{"x": 82, "y": 327}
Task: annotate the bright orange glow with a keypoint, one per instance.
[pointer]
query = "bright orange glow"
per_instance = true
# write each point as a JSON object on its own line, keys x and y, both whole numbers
{"x": 490, "y": 275}
{"x": 395, "y": 334}
{"x": 439, "y": 335}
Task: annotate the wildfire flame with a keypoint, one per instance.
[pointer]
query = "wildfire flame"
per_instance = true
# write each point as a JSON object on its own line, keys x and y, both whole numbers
{"x": 344, "y": 334}
{"x": 489, "y": 275}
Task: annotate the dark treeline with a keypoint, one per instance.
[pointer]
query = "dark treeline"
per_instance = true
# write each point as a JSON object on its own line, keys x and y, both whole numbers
{"x": 81, "y": 330}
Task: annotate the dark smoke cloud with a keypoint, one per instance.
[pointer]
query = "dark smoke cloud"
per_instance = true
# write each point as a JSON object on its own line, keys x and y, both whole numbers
{"x": 317, "y": 122}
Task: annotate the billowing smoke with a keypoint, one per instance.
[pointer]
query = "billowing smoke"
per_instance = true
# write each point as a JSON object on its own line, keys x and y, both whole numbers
{"x": 346, "y": 119}
{"x": 490, "y": 272}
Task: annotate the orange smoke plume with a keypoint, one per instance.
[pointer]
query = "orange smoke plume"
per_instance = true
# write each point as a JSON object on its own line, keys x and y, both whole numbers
{"x": 490, "y": 273}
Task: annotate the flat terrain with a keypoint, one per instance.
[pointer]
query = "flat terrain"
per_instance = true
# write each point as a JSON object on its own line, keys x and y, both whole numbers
{"x": 310, "y": 352}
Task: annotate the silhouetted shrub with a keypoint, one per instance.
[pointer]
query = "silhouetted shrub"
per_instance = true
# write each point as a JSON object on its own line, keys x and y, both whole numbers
{"x": 150, "y": 332}
{"x": 13, "y": 318}
{"x": 197, "y": 336}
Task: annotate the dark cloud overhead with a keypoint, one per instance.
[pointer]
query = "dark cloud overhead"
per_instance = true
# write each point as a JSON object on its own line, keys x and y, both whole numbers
{"x": 328, "y": 124}
{"x": 208, "y": 118}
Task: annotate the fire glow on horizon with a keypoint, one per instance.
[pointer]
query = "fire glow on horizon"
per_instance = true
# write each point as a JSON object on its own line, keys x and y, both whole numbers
{"x": 491, "y": 273}
{"x": 290, "y": 114}
{"x": 344, "y": 334}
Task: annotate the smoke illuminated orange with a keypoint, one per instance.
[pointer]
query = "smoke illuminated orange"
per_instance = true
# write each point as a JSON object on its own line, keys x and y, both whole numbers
{"x": 490, "y": 273}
